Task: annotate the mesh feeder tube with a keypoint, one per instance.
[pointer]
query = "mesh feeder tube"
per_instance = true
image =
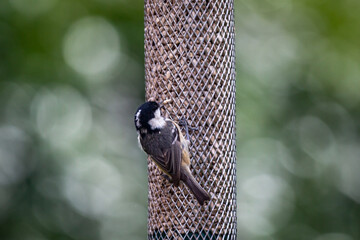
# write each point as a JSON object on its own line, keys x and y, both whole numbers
{"x": 190, "y": 59}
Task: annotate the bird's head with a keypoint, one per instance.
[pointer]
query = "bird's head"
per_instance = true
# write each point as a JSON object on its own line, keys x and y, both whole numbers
{"x": 148, "y": 116}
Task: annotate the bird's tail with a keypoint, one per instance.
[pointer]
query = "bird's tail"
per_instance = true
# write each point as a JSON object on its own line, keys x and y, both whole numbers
{"x": 200, "y": 194}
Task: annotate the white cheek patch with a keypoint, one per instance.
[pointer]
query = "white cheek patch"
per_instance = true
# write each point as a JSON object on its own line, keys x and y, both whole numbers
{"x": 137, "y": 120}
{"x": 158, "y": 121}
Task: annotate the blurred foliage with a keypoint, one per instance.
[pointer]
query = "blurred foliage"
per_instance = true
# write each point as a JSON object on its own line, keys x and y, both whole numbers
{"x": 71, "y": 77}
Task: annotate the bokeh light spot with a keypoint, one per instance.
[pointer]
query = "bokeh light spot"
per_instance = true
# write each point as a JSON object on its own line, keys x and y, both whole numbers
{"x": 12, "y": 144}
{"x": 315, "y": 135}
{"x": 266, "y": 203}
{"x": 91, "y": 46}
{"x": 32, "y": 7}
{"x": 62, "y": 116}
{"x": 256, "y": 225}
{"x": 348, "y": 165}
{"x": 92, "y": 186}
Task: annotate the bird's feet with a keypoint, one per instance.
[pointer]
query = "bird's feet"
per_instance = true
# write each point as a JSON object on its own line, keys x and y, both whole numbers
{"x": 183, "y": 123}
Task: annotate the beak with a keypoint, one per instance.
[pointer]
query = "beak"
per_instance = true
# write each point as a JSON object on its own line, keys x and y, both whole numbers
{"x": 162, "y": 103}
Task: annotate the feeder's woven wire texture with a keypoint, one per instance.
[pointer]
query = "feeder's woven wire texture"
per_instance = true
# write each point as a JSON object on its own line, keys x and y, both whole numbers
{"x": 190, "y": 59}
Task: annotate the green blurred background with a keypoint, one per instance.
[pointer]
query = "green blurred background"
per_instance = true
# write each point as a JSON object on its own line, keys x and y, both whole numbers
{"x": 72, "y": 75}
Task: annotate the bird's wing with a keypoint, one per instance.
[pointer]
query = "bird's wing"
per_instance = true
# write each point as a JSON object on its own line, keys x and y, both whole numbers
{"x": 169, "y": 160}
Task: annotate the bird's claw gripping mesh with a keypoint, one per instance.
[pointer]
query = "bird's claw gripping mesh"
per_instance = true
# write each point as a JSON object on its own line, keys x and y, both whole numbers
{"x": 189, "y": 58}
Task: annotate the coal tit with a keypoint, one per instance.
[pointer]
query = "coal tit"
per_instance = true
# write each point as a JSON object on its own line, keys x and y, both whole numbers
{"x": 163, "y": 141}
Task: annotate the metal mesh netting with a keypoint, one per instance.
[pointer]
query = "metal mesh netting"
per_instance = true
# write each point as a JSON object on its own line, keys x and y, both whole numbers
{"x": 190, "y": 59}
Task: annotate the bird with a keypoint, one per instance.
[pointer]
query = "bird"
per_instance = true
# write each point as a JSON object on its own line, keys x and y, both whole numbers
{"x": 161, "y": 138}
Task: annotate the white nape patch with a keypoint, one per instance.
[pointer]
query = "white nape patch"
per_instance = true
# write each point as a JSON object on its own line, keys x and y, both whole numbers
{"x": 139, "y": 140}
{"x": 158, "y": 121}
{"x": 137, "y": 119}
